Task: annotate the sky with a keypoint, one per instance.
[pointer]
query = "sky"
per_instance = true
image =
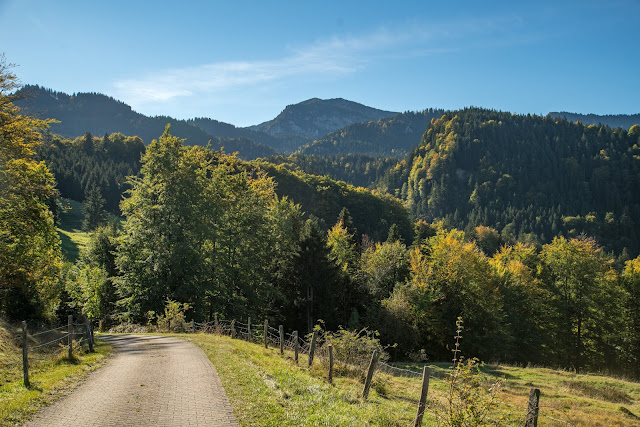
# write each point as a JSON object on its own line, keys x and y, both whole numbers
{"x": 243, "y": 62}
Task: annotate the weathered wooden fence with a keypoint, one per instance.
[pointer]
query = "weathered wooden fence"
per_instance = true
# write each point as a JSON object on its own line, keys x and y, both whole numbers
{"x": 277, "y": 338}
{"x": 78, "y": 333}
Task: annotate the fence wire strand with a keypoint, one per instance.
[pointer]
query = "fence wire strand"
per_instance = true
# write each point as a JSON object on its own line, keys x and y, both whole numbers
{"x": 352, "y": 374}
{"x": 48, "y": 330}
{"x": 50, "y": 342}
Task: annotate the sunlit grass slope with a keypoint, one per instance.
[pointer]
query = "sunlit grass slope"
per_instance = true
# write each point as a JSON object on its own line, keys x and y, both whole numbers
{"x": 70, "y": 230}
{"x": 267, "y": 389}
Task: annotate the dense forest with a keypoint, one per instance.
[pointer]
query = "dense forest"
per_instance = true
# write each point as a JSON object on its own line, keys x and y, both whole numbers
{"x": 103, "y": 164}
{"x": 356, "y": 169}
{"x": 386, "y": 137}
{"x": 529, "y": 177}
{"x": 624, "y": 121}
{"x": 509, "y": 215}
{"x": 89, "y": 162}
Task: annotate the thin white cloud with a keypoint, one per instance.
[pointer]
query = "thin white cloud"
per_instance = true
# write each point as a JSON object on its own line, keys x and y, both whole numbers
{"x": 333, "y": 57}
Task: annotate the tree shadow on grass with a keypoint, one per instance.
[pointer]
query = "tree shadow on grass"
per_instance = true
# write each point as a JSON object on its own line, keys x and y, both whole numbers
{"x": 70, "y": 250}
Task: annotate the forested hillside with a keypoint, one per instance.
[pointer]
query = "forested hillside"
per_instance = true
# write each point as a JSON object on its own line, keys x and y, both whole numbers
{"x": 89, "y": 162}
{"x": 529, "y": 177}
{"x": 389, "y": 136}
{"x": 99, "y": 115}
{"x": 624, "y": 121}
{"x": 103, "y": 164}
{"x": 226, "y": 130}
{"x": 372, "y": 213}
{"x": 356, "y": 169}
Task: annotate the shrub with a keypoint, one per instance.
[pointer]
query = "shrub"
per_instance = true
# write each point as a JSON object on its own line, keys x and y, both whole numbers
{"x": 173, "y": 319}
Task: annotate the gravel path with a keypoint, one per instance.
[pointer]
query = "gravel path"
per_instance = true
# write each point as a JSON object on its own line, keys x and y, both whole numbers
{"x": 149, "y": 381}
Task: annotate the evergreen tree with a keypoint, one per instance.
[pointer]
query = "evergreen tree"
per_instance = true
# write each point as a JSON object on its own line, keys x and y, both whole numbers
{"x": 93, "y": 207}
{"x": 346, "y": 221}
{"x": 394, "y": 234}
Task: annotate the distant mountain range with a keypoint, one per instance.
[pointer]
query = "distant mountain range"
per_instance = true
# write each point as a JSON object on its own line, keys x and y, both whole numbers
{"x": 99, "y": 114}
{"x": 312, "y": 127}
{"x": 624, "y": 121}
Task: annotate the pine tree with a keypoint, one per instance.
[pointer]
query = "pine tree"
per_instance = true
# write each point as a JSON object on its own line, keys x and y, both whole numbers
{"x": 94, "y": 213}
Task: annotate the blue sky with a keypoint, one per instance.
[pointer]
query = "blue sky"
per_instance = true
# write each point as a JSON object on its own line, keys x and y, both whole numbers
{"x": 243, "y": 62}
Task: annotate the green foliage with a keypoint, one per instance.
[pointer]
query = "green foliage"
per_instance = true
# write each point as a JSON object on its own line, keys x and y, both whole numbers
{"x": 587, "y": 296}
{"x": 631, "y": 283}
{"x": 449, "y": 278}
{"x": 94, "y": 168}
{"x": 390, "y": 136}
{"x": 625, "y": 121}
{"x": 94, "y": 214}
{"x": 372, "y": 212}
{"x": 354, "y": 348}
{"x": 383, "y": 267}
{"x": 355, "y": 169}
{"x": 173, "y": 319}
{"x": 30, "y": 257}
{"x": 312, "y": 282}
{"x": 528, "y": 177}
{"x": 200, "y": 229}
{"x": 470, "y": 398}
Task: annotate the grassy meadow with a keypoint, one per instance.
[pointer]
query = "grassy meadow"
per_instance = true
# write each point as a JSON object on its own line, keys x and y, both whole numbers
{"x": 267, "y": 389}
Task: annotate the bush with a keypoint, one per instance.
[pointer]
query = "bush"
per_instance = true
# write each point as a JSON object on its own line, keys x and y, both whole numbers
{"x": 470, "y": 396}
{"x": 131, "y": 328}
{"x": 353, "y": 349}
{"x": 173, "y": 319}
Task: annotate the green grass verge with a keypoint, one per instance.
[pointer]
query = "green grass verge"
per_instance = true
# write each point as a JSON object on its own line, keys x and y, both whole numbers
{"x": 50, "y": 378}
{"x": 267, "y": 389}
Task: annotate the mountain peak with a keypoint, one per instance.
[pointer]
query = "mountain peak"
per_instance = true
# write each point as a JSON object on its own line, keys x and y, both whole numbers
{"x": 316, "y": 117}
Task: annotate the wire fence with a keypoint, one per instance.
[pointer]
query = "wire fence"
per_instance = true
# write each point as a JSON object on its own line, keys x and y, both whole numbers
{"x": 358, "y": 373}
{"x": 43, "y": 346}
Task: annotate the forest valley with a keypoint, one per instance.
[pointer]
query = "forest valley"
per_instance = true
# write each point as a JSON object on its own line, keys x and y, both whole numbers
{"x": 524, "y": 226}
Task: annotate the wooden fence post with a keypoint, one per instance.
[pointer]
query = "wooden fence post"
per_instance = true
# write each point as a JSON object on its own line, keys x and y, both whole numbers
{"x": 281, "y": 330}
{"x": 312, "y": 348}
{"x": 330, "y": 378}
{"x": 193, "y": 326}
{"x": 25, "y": 358}
{"x": 372, "y": 368}
{"x": 249, "y": 329}
{"x": 233, "y": 328}
{"x": 89, "y": 334}
{"x": 216, "y": 325}
{"x": 533, "y": 408}
{"x": 266, "y": 333}
{"x": 296, "y": 346}
{"x": 70, "y": 336}
{"x": 422, "y": 404}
